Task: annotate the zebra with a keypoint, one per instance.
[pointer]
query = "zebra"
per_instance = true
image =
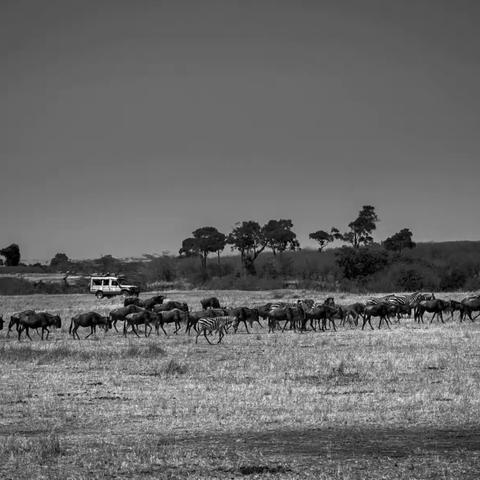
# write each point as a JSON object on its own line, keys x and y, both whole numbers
{"x": 215, "y": 324}
{"x": 411, "y": 300}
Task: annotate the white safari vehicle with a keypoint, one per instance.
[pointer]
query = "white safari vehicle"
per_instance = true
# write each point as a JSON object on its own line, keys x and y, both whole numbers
{"x": 108, "y": 286}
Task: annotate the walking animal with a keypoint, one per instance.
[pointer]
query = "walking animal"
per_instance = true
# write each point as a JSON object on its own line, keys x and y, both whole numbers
{"x": 86, "y": 320}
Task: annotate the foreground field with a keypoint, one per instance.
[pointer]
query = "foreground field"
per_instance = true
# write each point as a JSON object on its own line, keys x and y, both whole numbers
{"x": 399, "y": 403}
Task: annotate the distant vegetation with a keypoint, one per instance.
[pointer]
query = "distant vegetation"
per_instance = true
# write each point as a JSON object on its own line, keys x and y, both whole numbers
{"x": 270, "y": 257}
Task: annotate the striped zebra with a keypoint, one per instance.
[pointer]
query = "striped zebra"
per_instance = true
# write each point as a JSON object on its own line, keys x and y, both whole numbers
{"x": 407, "y": 300}
{"x": 218, "y": 325}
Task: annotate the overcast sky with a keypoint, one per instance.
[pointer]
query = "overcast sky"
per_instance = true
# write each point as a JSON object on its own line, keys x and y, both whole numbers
{"x": 125, "y": 125}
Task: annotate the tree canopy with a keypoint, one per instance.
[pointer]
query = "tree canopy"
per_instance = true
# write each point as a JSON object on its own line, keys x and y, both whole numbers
{"x": 11, "y": 254}
{"x": 399, "y": 241}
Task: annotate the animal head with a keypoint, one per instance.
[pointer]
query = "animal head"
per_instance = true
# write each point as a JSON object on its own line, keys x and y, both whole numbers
{"x": 57, "y": 321}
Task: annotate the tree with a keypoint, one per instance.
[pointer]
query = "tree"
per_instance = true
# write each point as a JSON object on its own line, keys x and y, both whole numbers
{"x": 205, "y": 240}
{"x": 278, "y": 236}
{"x": 361, "y": 228}
{"x": 248, "y": 238}
{"x": 399, "y": 241}
{"x": 322, "y": 237}
{"x": 11, "y": 254}
{"x": 189, "y": 248}
{"x": 60, "y": 262}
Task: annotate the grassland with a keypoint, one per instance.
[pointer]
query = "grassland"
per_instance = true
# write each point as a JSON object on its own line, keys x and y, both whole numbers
{"x": 399, "y": 403}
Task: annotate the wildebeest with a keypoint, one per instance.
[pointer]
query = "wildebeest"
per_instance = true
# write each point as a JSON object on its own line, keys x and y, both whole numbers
{"x": 292, "y": 315}
{"x": 1, "y": 322}
{"x": 192, "y": 320}
{"x": 210, "y": 302}
{"x": 171, "y": 316}
{"x": 119, "y": 314}
{"x": 470, "y": 305}
{"x": 41, "y": 320}
{"x": 377, "y": 310}
{"x": 170, "y": 305}
{"x": 88, "y": 319}
{"x": 149, "y": 303}
{"x": 245, "y": 314}
{"x": 141, "y": 318}
{"x": 133, "y": 301}
{"x": 14, "y": 320}
{"x": 354, "y": 310}
{"x": 320, "y": 314}
{"x": 437, "y": 307}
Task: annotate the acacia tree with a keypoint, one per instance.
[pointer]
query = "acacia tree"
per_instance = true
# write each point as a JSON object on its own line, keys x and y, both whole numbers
{"x": 322, "y": 237}
{"x": 11, "y": 254}
{"x": 361, "y": 229}
{"x": 248, "y": 238}
{"x": 399, "y": 241}
{"x": 251, "y": 239}
{"x": 205, "y": 240}
{"x": 279, "y": 237}
{"x": 60, "y": 262}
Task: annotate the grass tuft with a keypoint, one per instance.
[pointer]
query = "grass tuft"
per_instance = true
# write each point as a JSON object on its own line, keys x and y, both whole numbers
{"x": 173, "y": 368}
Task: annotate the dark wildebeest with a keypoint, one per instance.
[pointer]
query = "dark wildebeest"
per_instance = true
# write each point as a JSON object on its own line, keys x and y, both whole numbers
{"x": 133, "y": 301}
{"x": 171, "y": 316}
{"x": 470, "y": 305}
{"x": 378, "y": 310}
{"x": 354, "y": 311}
{"x": 437, "y": 307}
{"x": 456, "y": 307}
{"x": 320, "y": 314}
{"x": 245, "y": 314}
{"x": 210, "y": 302}
{"x": 119, "y": 314}
{"x": 1, "y": 322}
{"x": 14, "y": 319}
{"x": 292, "y": 316}
{"x": 170, "y": 305}
{"x": 141, "y": 318}
{"x": 41, "y": 320}
{"x": 88, "y": 319}
{"x": 149, "y": 303}
{"x": 192, "y": 320}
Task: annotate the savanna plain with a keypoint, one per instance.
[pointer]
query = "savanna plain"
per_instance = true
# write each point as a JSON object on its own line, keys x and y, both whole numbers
{"x": 390, "y": 403}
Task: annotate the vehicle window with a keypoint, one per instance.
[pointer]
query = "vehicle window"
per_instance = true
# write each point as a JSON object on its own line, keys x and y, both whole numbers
{"x": 105, "y": 283}
{"x": 114, "y": 283}
{"x": 97, "y": 283}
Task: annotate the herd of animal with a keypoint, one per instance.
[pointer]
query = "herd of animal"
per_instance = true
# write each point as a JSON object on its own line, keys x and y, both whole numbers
{"x": 303, "y": 315}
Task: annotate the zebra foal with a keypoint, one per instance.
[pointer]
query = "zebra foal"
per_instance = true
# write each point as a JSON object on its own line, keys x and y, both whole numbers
{"x": 218, "y": 325}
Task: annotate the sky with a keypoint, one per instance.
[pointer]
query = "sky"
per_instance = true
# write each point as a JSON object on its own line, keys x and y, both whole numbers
{"x": 126, "y": 125}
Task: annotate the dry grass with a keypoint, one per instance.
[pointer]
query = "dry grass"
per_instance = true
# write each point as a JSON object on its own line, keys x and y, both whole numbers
{"x": 399, "y": 403}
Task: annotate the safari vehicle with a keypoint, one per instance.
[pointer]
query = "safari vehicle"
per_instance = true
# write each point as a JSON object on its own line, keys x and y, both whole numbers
{"x": 109, "y": 286}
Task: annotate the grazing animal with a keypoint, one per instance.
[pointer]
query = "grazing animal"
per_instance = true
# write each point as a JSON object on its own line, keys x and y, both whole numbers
{"x": 149, "y": 303}
{"x": 1, "y": 322}
{"x": 171, "y": 316}
{"x": 120, "y": 314}
{"x": 141, "y": 318}
{"x": 134, "y": 301}
{"x": 437, "y": 307}
{"x": 320, "y": 314}
{"x": 14, "y": 320}
{"x": 378, "y": 310}
{"x": 470, "y": 305}
{"x": 283, "y": 313}
{"x": 218, "y": 325}
{"x": 210, "y": 302}
{"x": 245, "y": 314}
{"x": 354, "y": 311}
{"x": 88, "y": 319}
{"x": 170, "y": 305}
{"x": 41, "y": 320}
{"x": 192, "y": 320}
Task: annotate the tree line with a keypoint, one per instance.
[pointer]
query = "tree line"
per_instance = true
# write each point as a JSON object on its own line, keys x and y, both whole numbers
{"x": 250, "y": 239}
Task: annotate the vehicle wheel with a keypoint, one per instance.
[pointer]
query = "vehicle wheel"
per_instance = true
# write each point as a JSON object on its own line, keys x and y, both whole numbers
{"x": 99, "y": 294}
